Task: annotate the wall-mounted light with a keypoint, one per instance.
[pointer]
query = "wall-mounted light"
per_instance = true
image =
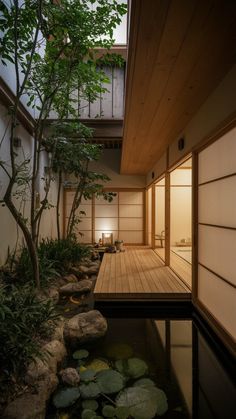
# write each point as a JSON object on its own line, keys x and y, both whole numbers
{"x": 107, "y": 239}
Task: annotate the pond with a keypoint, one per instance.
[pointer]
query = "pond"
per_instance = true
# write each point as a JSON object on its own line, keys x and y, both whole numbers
{"x": 161, "y": 367}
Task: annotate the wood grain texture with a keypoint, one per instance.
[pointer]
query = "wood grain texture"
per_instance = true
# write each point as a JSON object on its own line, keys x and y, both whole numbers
{"x": 137, "y": 273}
{"x": 179, "y": 51}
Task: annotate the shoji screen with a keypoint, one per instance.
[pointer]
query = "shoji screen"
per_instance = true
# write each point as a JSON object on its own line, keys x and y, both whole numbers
{"x": 217, "y": 230}
{"x": 85, "y": 225}
{"x": 106, "y": 217}
{"x": 149, "y": 216}
{"x": 131, "y": 216}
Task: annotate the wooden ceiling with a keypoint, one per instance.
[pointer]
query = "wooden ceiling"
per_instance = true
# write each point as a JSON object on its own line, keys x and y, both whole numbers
{"x": 179, "y": 50}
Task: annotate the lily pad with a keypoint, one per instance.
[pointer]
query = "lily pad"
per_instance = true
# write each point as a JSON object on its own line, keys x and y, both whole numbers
{"x": 88, "y": 414}
{"x": 66, "y": 397}
{"x": 87, "y": 375}
{"x": 98, "y": 365}
{"x": 89, "y": 391}
{"x": 122, "y": 412}
{"x": 90, "y": 404}
{"x": 144, "y": 382}
{"x": 119, "y": 351}
{"x": 133, "y": 367}
{"x": 108, "y": 411}
{"x": 142, "y": 402}
{"x": 161, "y": 399}
{"x": 80, "y": 354}
{"x": 110, "y": 381}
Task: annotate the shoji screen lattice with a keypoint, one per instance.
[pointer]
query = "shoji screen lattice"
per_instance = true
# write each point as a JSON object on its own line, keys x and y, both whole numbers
{"x": 217, "y": 230}
{"x": 123, "y": 217}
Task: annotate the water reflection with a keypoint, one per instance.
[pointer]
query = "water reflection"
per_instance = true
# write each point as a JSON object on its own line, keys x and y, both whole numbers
{"x": 181, "y": 361}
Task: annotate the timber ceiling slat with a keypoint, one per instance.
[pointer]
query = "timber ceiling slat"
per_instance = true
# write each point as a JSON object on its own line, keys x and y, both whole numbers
{"x": 173, "y": 72}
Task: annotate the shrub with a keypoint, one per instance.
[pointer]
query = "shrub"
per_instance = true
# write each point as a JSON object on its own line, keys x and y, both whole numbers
{"x": 23, "y": 269}
{"x": 24, "y": 322}
{"x": 63, "y": 253}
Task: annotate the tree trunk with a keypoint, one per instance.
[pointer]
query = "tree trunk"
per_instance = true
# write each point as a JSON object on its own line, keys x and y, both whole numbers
{"x": 58, "y": 204}
{"x": 28, "y": 238}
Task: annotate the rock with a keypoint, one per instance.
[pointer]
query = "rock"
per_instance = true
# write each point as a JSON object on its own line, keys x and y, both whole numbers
{"x": 76, "y": 288}
{"x": 70, "y": 376}
{"x": 70, "y": 278}
{"x": 58, "y": 331}
{"x": 53, "y": 294}
{"x": 91, "y": 270}
{"x": 32, "y": 406}
{"x": 55, "y": 353}
{"x": 85, "y": 327}
{"x": 39, "y": 369}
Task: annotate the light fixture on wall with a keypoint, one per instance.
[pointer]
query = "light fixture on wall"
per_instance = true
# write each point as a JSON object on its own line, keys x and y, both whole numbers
{"x": 107, "y": 239}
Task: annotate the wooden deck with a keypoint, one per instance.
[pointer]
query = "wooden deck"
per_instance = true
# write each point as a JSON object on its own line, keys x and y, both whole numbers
{"x": 138, "y": 274}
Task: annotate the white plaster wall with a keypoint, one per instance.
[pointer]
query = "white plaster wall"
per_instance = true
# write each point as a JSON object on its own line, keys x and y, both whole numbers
{"x": 109, "y": 164}
{"x": 8, "y": 228}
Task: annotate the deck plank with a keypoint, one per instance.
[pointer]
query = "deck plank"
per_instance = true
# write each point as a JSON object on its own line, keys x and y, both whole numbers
{"x": 138, "y": 273}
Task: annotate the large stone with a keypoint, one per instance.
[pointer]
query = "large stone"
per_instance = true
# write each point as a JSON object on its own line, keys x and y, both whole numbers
{"x": 70, "y": 278}
{"x": 55, "y": 352}
{"x": 32, "y": 405}
{"x": 70, "y": 376}
{"x": 85, "y": 327}
{"x": 76, "y": 288}
{"x": 89, "y": 270}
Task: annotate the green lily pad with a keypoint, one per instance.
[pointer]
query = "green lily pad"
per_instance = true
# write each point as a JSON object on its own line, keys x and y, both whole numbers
{"x": 161, "y": 399}
{"x": 110, "y": 381}
{"x": 87, "y": 376}
{"x": 90, "y": 404}
{"x": 89, "y": 391}
{"x": 98, "y": 365}
{"x": 143, "y": 403}
{"x": 122, "y": 412}
{"x": 88, "y": 414}
{"x": 133, "y": 367}
{"x": 80, "y": 354}
{"x": 108, "y": 411}
{"x": 144, "y": 382}
{"x": 66, "y": 397}
{"x": 119, "y": 351}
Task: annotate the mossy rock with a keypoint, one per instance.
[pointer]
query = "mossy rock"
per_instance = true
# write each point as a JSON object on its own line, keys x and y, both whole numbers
{"x": 80, "y": 354}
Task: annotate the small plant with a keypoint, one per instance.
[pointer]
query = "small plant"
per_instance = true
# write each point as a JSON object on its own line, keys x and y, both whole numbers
{"x": 23, "y": 271}
{"x": 24, "y": 322}
{"x": 62, "y": 253}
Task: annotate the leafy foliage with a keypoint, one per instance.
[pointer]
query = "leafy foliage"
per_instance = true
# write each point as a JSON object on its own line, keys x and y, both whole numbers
{"x": 24, "y": 320}
{"x": 53, "y": 47}
{"x": 62, "y": 253}
{"x": 66, "y": 397}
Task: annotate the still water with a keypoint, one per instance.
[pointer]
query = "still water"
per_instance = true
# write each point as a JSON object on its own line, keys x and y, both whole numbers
{"x": 197, "y": 376}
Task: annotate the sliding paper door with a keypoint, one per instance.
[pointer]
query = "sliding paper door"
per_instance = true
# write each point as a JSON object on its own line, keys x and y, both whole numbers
{"x": 217, "y": 231}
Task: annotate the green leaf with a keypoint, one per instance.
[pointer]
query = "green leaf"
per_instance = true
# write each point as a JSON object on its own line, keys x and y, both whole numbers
{"x": 144, "y": 382}
{"x": 133, "y": 367}
{"x": 108, "y": 411}
{"x": 90, "y": 404}
{"x": 80, "y": 354}
{"x": 143, "y": 403}
{"x": 66, "y": 397}
{"x": 110, "y": 381}
{"x": 88, "y": 414}
{"x": 90, "y": 390}
{"x": 87, "y": 375}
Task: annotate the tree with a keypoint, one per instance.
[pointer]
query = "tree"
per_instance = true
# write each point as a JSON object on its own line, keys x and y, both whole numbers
{"x": 52, "y": 49}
